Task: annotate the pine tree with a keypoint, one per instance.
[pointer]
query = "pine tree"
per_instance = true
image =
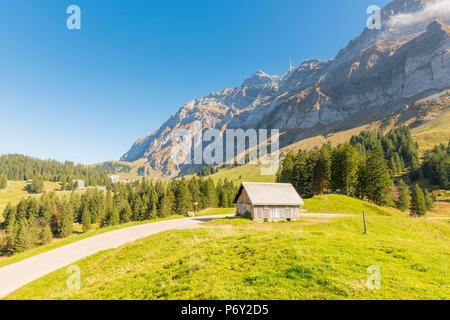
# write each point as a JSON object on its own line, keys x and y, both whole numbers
{"x": 404, "y": 197}
{"x": 184, "y": 198}
{"x": 286, "y": 171}
{"x": 46, "y": 235}
{"x": 3, "y": 181}
{"x": 153, "y": 204}
{"x": 12, "y": 229}
{"x": 25, "y": 239}
{"x": 125, "y": 212}
{"x": 113, "y": 216}
{"x": 86, "y": 219}
{"x": 344, "y": 165}
{"x": 302, "y": 177}
{"x": 211, "y": 198}
{"x": 428, "y": 200}
{"x": 418, "y": 205}
{"x": 66, "y": 220}
{"x": 378, "y": 180}
{"x": 194, "y": 188}
{"x": 322, "y": 171}
{"x": 139, "y": 209}
{"x": 167, "y": 204}
{"x": 9, "y": 210}
{"x": 37, "y": 186}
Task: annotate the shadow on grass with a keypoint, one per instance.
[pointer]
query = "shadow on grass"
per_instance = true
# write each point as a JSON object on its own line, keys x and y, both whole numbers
{"x": 213, "y": 218}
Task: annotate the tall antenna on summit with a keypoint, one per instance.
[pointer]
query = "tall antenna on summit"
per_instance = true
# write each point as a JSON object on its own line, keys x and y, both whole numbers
{"x": 291, "y": 68}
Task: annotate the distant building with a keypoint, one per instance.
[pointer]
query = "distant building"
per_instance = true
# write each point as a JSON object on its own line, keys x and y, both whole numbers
{"x": 115, "y": 178}
{"x": 268, "y": 201}
{"x": 79, "y": 184}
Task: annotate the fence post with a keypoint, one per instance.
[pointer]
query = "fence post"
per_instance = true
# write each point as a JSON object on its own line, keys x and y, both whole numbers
{"x": 364, "y": 219}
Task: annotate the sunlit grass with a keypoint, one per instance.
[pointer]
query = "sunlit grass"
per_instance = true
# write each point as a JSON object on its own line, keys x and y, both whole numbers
{"x": 324, "y": 261}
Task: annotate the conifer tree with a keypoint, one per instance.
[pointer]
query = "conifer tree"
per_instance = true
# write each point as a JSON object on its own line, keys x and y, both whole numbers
{"x": 377, "y": 176}
{"x": 428, "y": 200}
{"x": 113, "y": 216}
{"x": 66, "y": 219}
{"x": 3, "y": 181}
{"x": 46, "y": 235}
{"x": 211, "y": 198}
{"x": 286, "y": 171}
{"x": 86, "y": 219}
{"x": 321, "y": 171}
{"x": 184, "y": 198}
{"x": 404, "y": 197}
{"x": 25, "y": 239}
{"x": 12, "y": 229}
{"x": 418, "y": 205}
{"x": 167, "y": 204}
{"x": 344, "y": 165}
{"x": 125, "y": 212}
{"x": 37, "y": 186}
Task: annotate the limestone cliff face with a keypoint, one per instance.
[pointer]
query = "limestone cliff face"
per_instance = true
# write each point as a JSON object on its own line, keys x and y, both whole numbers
{"x": 375, "y": 75}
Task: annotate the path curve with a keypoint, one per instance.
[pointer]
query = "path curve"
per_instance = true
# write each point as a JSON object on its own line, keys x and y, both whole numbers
{"x": 16, "y": 275}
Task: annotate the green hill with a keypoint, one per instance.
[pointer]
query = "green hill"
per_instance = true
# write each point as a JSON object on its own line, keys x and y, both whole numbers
{"x": 334, "y": 203}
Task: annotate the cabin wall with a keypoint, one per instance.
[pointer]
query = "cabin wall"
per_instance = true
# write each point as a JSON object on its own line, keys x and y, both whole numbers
{"x": 269, "y": 213}
{"x": 276, "y": 213}
{"x": 244, "y": 204}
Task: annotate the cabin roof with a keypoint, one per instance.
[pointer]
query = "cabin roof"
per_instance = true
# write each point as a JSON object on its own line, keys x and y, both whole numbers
{"x": 270, "y": 194}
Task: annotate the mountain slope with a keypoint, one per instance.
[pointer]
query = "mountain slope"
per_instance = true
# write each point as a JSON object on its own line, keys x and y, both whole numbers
{"x": 377, "y": 75}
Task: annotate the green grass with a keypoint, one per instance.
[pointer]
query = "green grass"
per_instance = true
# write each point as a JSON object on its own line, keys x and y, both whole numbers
{"x": 334, "y": 203}
{"x": 434, "y": 132}
{"x": 246, "y": 172}
{"x": 325, "y": 261}
{"x": 216, "y": 211}
{"x": 16, "y": 190}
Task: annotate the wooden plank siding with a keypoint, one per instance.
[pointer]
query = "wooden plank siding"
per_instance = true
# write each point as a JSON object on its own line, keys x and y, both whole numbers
{"x": 268, "y": 201}
{"x": 266, "y": 213}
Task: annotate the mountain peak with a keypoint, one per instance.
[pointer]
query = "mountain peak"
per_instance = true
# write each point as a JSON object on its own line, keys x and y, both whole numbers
{"x": 437, "y": 26}
{"x": 259, "y": 79}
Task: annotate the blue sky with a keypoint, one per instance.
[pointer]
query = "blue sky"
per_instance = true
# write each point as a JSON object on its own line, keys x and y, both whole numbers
{"x": 86, "y": 95}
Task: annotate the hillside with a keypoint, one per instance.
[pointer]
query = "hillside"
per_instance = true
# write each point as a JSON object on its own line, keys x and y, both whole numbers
{"x": 243, "y": 260}
{"x": 375, "y": 78}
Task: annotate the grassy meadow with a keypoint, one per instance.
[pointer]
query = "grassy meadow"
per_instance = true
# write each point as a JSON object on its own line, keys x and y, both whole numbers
{"x": 16, "y": 190}
{"x": 247, "y": 172}
{"x": 335, "y": 203}
{"x": 240, "y": 259}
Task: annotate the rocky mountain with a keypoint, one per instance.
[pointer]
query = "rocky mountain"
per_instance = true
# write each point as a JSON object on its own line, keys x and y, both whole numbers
{"x": 375, "y": 75}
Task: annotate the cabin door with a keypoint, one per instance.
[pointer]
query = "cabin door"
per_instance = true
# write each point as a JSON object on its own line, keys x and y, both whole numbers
{"x": 276, "y": 212}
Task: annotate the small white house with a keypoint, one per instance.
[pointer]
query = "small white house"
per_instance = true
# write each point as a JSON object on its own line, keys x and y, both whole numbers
{"x": 269, "y": 201}
{"x": 79, "y": 184}
{"x": 115, "y": 178}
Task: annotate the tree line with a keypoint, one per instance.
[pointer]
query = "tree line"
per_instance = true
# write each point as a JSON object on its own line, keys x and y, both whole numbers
{"x": 363, "y": 168}
{"x": 400, "y": 150}
{"x": 36, "y": 221}
{"x": 19, "y": 167}
{"x": 436, "y": 166}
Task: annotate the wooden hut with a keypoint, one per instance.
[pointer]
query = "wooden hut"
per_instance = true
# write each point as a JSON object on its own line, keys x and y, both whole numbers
{"x": 268, "y": 201}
